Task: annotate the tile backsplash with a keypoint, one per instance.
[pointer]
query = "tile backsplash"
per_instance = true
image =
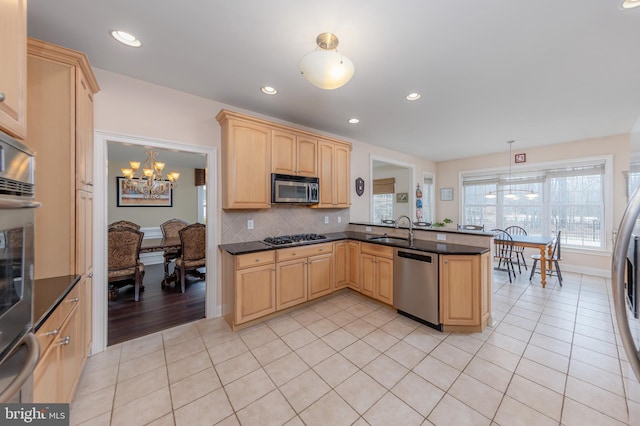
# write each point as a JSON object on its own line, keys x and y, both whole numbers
{"x": 280, "y": 220}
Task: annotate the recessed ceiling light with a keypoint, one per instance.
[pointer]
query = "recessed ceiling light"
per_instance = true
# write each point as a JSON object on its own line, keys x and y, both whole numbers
{"x": 630, "y": 4}
{"x": 353, "y": 121}
{"x": 126, "y": 38}
{"x": 413, "y": 96}
{"x": 268, "y": 90}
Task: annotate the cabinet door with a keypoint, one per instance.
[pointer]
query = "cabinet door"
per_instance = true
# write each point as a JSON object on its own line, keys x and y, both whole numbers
{"x": 84, "y": 133}
{"x": 13, "y": 72}
{"x": 384, "y": 282}
{"x": 70, "y": 363}
{"x": 46, "y": 384}
{"x": 255, "y": 293}
{"x": 283, "y": 152}
{"x": 306, "y": 158}
{"x": 291, "y": 287}
{"x": 320, "y": 275}
{"x": 353, "y": 266}
{"x": 367, "y": 274}
{"x": 342, "y": 191}
{"x": 341, "y": 260}
{"x": 459, "y": 290}
{"x": 246, "y": 151}
{"x": 325, "y": 173}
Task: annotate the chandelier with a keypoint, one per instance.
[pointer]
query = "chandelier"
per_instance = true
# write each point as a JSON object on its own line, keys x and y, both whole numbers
{"x": 510, "y": 192}
{"x": 325, "y": 67}
{"x": 149, "y": 180}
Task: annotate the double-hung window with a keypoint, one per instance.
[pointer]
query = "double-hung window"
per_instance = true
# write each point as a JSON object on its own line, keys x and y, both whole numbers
{"x": 543, "y": 200}
{"x": 383, "y": 192}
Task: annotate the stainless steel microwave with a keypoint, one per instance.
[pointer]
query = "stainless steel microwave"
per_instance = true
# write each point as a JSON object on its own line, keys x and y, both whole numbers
{"x": 294, "y": 189}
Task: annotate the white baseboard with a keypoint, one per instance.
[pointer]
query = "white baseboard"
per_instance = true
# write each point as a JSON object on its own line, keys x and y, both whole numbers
{"x": 152, "y": 258}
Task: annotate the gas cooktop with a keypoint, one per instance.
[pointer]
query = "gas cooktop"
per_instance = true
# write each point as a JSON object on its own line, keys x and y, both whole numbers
{"x": 292, "y": 239}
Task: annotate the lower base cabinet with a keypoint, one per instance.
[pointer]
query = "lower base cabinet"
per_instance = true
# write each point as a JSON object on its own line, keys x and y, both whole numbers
{"x": 376, "y": 272}
{"x": 346, "y": 256}
{"x": 62, "y": 345}
{"x": 254, "y": 287}
{"x": 465, "y": 291}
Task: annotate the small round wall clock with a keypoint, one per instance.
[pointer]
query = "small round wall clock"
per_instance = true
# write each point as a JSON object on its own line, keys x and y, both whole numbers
{"x": 359, "y": 186}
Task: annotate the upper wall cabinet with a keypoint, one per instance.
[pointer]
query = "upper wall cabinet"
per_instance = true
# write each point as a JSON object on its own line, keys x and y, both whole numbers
{"x": 293, "y": 154}
{"x": 13, "y": 71}
{"x": 61, "y": 86}
{"x": 252, "y": 149}
{"x": 246, "y": 151}
{"x": 334, "y": 159}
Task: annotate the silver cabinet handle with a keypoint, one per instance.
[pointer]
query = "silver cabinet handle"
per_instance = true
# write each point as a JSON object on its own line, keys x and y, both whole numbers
{"x": 65, "y": 341}
{"x": 74, "y": 300}
{"x": 446, "y": 261}
{"x": 54, "y": 332}
{"x": 1, "y": 96}
{"x": 90, "y": 275}
{"x": 618, "y": 264}
{"x": 33, "y": 353}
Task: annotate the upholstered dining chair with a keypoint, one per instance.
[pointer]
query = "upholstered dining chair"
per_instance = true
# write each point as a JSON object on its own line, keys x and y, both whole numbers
{"x": 193, "y": 252}
{"x": 555, "y": 258}
{"x": 126, "y": 224}
{"x": 517, "y": 249}
{"x": 171, "y": 229}
{"x": 124, "y": 266}
{"x": 503, "y": 251}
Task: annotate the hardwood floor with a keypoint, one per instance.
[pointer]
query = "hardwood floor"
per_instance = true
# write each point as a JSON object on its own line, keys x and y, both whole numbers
{"x": 157, "y": 308}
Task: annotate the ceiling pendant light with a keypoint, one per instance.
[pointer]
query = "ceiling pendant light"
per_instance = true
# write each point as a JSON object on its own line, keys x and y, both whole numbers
{"x": 149, "y": 181}
{"x": 510, "y": 193}
{"x": 325, "y": 67}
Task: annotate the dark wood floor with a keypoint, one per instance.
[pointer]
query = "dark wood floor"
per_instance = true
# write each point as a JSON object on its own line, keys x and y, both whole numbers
{"x": 157, "y": 308}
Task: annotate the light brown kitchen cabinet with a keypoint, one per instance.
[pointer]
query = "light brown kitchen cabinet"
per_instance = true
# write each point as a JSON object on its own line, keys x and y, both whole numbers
{"x": 304, "y": 270}
{"x": 249, "y": 286}
{"x": 60, "y": 85}
{"x": 246, "y": 170}
{"x": 346, "y": 260}
{"x": 293, "y": 154}
{"x": 60, "y": 337}
{"x": 465, "y": 299}
{"x": 376, "y": 272}
{"x": 84, "y": 264}
{"x": 13, "y": 71}
{"x": 334, "y": 160}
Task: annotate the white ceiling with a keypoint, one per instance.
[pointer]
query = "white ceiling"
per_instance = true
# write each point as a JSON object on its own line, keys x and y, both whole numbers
{"x": 539, "y": 72}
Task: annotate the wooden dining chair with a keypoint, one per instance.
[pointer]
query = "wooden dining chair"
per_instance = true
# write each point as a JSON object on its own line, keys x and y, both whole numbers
{"x": 518, "y": 250}
{"x": 124, "y": 266}
{"x": 555, "y": 258}
{"x": 193, "y": 256}
{"x": 503, "y": 251}
{"x": 126, "y": 224}
{"x": 171, "y": 229}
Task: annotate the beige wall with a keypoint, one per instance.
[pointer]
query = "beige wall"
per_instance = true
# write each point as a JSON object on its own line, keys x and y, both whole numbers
{"x": 185, "y": 201}
{"x": 448, "y": 175}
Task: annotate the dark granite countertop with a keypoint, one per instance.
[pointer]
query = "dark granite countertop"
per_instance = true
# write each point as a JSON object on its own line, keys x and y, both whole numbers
{"x": 452, "y": 230}
{"x": 47, "y": 295}
{"x": 421, "y": 245}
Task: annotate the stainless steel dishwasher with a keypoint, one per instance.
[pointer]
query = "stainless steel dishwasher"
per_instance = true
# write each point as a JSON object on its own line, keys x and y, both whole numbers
{"x": 415, "y": 286}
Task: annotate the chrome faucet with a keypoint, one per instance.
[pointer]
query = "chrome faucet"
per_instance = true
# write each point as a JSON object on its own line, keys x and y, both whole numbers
{"x": 410, "y": 227}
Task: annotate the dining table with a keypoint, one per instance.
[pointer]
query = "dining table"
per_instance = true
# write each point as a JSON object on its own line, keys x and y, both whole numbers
{"x": 542, "y": 243}
{"x": 161, "y": 244}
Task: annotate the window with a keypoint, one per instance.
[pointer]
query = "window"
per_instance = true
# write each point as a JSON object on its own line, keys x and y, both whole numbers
{"x": 202, "y": 204}
{"x": 383, "y": 190}
{"x": 427, "y": 199}
{"x": 570, "y": 199}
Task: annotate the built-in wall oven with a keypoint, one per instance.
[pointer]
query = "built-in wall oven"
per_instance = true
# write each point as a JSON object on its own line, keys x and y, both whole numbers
{"x": 19, "y": 349}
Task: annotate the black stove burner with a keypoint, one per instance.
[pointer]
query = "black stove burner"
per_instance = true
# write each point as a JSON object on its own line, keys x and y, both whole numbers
{"x": 293, "y": 239}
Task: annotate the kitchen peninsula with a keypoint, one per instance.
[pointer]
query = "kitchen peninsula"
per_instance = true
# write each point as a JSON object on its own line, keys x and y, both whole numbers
{"x": 261, "y": 280}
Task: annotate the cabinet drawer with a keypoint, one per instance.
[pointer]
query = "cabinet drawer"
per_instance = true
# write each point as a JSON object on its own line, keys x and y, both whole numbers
{"x": 377, "y": 250}
{"x": 254, "y": 259}
{"x": 51, "y": 327}
{"x": 303, "y": 251}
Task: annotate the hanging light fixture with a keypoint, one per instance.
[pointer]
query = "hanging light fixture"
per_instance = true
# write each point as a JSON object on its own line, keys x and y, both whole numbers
{"x": 325, "y": 67}
{"x": 150, "y": 181}
{"x": 511, "y": 193}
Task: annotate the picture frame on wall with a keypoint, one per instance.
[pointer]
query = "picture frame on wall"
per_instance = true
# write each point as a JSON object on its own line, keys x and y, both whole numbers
{"x": 131, "y": 194}
{"x": 402, "y": 197}
{"x": 446, "y": 194}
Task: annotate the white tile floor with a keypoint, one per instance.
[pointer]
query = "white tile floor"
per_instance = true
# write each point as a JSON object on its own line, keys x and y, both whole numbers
{"x": 551, "y": 357}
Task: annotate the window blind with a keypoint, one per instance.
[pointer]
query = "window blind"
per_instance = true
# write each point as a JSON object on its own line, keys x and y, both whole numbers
{"x": 384, "y": 186}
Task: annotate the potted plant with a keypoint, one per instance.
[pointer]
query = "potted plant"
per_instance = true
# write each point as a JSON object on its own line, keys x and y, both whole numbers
{"x": 444, "y": 222}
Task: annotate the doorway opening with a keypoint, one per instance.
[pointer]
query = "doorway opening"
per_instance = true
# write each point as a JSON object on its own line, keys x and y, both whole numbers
{"x": 159, "y": 307}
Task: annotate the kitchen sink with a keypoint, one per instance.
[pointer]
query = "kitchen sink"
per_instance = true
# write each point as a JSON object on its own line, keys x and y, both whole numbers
{"x": 387, "y": 239}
